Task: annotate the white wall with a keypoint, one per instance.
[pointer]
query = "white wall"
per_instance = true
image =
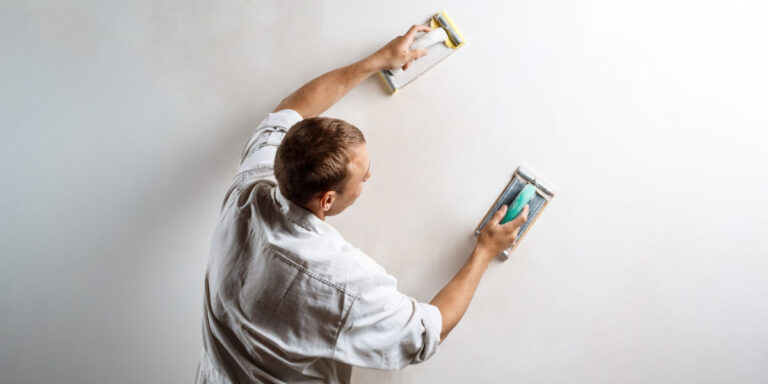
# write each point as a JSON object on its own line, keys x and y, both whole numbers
{"x": 122, "y": 123}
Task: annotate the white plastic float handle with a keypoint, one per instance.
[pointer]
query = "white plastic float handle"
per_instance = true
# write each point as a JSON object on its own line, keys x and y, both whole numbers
{"x": 429, "y": 39}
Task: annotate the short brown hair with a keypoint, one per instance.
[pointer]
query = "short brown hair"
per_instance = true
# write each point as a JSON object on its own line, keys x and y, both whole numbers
{"x": 314, "y": 157}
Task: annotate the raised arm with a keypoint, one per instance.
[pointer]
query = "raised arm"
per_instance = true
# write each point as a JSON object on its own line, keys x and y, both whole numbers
{"x": 321, "y": 93}
{"x": 453, "y": 300}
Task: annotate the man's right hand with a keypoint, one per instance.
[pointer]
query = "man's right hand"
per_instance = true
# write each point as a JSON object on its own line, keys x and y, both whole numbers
{"x": 454, "y": 298}
{"x": 496, "y": 237}
{"x": 398, "y": 53}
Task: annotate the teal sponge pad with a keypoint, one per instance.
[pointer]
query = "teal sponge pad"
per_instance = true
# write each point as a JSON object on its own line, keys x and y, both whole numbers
{"x": 519, "y": 203}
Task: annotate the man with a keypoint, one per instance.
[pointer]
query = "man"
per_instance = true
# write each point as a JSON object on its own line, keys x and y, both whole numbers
{"x": 287, "y": 300}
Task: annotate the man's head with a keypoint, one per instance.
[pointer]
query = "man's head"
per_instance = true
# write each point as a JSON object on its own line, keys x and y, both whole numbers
{"x": 322, "y": 164}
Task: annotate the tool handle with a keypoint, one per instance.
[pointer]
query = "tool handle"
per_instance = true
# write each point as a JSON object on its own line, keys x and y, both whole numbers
{"x": 515, "y": 209}
{"x": 427, "y": 40}
{"x": 519, "y": 203}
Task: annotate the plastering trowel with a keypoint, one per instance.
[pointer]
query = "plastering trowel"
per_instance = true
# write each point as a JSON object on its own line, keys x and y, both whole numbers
{"x": 442, "y": 40}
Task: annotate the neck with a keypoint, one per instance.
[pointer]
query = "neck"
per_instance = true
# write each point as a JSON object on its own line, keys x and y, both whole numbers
{"x": 316, "y": 211}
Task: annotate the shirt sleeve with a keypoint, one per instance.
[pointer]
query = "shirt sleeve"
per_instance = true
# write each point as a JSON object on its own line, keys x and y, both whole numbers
{"x": 386, "y": 329}
{"x": 259, "y": 152}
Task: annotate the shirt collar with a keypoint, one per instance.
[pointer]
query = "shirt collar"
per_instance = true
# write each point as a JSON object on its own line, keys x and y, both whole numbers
{"x": 300, "y": 215}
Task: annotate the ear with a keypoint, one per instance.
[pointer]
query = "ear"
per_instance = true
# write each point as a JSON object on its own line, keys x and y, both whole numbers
{"x": 327, "y": 199}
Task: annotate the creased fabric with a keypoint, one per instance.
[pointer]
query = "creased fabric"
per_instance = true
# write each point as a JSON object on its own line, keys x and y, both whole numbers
{"x": 287, "y": 299}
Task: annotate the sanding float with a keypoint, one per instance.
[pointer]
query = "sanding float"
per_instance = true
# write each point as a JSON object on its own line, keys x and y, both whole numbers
{"x": 524, "y": 188}
{"x": 440, "y": 42}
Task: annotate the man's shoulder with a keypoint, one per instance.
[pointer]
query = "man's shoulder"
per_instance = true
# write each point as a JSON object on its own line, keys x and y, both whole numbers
{"x": 284, "y": 118}
{"x": 360, "y": 272}
{"x": 247, "y": 188}
{"x": 337, "y": 263}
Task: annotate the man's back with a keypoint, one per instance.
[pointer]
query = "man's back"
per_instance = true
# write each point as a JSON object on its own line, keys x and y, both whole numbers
{"x": 288, "y": 300}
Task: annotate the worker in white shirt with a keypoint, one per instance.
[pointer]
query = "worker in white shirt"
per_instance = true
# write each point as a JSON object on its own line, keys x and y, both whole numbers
{"x": 287, "y": 299}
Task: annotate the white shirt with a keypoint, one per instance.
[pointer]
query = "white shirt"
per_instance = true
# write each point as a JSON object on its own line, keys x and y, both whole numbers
{"x": 288, "y": 300}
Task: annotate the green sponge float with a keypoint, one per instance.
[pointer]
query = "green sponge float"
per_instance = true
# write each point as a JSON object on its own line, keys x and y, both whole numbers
{"x": 519, "y": 203}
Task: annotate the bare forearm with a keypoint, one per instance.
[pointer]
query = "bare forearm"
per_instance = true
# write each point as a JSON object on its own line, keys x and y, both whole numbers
{"x": 453, "y": 300}
{"x": 321, "y": 93}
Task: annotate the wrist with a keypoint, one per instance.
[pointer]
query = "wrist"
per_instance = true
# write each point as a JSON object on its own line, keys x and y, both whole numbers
{"x": 372, "y": 63}
{"x": 482, "y": 254}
